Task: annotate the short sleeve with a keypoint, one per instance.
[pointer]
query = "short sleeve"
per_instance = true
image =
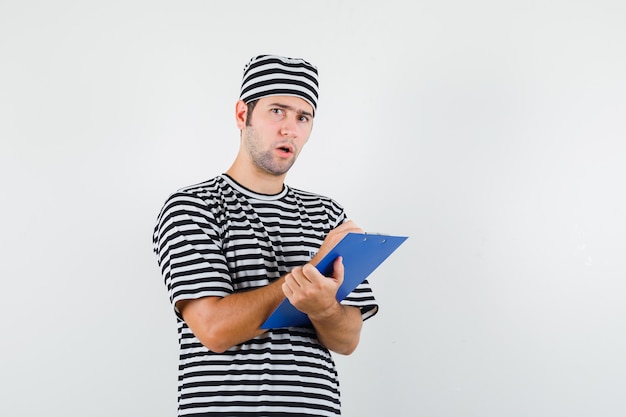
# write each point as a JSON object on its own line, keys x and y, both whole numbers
{"x": 188, "y": 245}
{"x": 363, "y": 298}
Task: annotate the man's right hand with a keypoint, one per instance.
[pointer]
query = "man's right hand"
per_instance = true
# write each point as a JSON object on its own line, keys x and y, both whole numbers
{"x": 334, "y": 237}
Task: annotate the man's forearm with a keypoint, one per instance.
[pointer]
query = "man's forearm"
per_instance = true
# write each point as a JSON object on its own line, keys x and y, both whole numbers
{"x": 339, "y": 328}
{"x": 220, "y": 323}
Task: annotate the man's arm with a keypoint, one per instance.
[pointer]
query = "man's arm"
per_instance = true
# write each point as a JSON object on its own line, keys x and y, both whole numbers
{"x": 340, "y": 329}
{"x": 220, "y": 323}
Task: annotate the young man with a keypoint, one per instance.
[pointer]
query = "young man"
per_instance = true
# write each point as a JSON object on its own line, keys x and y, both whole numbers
{"x": 232, "y": 248}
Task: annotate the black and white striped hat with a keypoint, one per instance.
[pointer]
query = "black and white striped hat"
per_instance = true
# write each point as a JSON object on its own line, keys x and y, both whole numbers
{"x": 273, "y": 75}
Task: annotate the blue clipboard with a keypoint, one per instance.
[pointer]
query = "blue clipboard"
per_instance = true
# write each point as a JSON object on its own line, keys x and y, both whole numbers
{"x": 362, "y": 253}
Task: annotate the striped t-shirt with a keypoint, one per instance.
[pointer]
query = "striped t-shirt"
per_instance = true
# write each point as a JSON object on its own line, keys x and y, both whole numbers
{"x": 217, "y": 238}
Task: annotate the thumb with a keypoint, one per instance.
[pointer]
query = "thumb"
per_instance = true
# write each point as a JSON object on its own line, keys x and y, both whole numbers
{"x": 338, "y": 270}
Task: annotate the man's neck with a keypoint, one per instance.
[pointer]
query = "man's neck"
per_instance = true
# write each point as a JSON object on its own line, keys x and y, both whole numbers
{"x": 262, "y": 183}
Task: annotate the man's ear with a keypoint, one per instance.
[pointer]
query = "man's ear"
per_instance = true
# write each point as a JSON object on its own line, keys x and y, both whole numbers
{"x": 241, "y": 113}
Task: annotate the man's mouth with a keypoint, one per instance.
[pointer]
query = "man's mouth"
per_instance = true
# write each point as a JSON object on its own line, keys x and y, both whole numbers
{"x": 285, "y": 149}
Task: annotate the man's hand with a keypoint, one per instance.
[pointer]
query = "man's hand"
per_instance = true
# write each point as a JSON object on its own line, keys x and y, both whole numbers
{"x": 334, "y": 237}
{"x": 311, "y": 292}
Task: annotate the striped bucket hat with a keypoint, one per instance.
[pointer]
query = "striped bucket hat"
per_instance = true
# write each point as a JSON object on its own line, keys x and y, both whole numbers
{"x": 274, "y": 75}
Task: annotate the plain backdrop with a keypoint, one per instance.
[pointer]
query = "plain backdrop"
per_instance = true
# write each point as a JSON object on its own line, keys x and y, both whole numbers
{"x": 492, "y": 133}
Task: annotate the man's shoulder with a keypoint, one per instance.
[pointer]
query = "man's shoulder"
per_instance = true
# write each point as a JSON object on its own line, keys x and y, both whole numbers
{"x": 203, "y": 194}
{"x": 206, "y": 187}
{"x": 313, "y": 198}
{"x": 308, "y": 194}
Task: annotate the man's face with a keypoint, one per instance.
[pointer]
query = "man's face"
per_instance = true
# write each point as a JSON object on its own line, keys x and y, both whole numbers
{"x": 276, "y": 131}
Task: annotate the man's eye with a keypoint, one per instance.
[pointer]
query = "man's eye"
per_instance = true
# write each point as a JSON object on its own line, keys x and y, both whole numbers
{"x": 304, "y": 119}
{"x": 277, "y": 111}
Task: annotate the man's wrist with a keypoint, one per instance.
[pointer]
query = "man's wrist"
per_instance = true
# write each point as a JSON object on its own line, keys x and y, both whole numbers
{"x": 331, "y": 313}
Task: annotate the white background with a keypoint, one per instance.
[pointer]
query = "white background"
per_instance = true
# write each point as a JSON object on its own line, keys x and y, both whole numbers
{"x": 490, "y": 132}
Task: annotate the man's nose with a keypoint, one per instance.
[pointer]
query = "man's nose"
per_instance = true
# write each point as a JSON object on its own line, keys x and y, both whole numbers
{"x": 288, "y": 127}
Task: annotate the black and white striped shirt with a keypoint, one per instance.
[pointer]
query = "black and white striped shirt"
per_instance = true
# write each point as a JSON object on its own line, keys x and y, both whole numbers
{"x": 217, "y": 238}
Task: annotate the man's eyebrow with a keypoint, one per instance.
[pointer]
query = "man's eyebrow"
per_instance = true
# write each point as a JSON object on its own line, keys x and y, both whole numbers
{"x": 291, "y": 108}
